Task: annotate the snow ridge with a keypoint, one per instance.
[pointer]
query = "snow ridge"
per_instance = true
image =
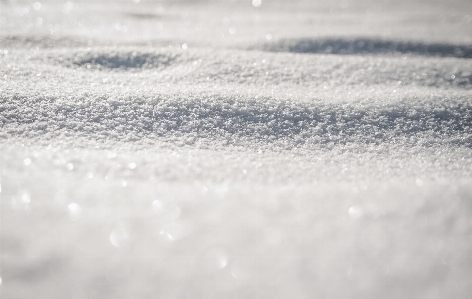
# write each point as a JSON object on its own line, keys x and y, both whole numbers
{"x": 239, "y": 118}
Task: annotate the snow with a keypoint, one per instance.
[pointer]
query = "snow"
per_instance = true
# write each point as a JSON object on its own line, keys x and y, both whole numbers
{"x": 258, "y": 149}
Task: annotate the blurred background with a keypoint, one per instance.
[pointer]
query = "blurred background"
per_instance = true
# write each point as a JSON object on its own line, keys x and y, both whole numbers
{"x": 236, "y": 23}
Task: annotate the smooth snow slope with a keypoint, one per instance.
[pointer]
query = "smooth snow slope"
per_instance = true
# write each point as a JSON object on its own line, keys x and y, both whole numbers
{"x": 300, "y": 149}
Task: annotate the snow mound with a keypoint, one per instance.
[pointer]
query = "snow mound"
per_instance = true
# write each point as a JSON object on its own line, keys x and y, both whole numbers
{"x": 354, "y": 46}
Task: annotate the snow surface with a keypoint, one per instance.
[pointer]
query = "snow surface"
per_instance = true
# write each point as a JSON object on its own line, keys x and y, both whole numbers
{"x": 195, "y": 149}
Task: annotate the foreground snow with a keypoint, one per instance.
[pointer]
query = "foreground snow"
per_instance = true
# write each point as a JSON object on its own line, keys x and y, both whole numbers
{"x": 299, "y": 166}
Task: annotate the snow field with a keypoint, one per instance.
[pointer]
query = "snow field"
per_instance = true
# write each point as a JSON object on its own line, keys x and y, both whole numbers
{"x": 220, "y": 150}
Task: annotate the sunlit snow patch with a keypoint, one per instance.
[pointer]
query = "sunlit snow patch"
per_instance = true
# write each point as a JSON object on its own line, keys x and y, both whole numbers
{"x": 119, "y": 236}
{"x": 355, "y": 212}
{"x": 75, "y": 211}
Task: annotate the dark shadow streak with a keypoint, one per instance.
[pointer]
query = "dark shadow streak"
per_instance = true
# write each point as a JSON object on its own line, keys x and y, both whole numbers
{"x": 364, "y": 46}
{"x": 145, "y": 15}
{"x": 126, "y": 60}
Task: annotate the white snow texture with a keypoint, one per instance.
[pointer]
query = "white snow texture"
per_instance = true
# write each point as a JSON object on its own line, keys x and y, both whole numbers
{"x": 236, "y": 149}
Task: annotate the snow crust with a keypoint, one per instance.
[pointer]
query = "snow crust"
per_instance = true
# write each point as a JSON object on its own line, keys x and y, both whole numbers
{"x": 231, "y": 150}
